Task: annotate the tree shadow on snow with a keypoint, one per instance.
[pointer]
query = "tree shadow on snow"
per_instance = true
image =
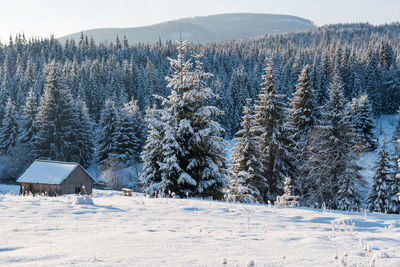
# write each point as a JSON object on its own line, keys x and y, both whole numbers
{"x": 9, "y": 249}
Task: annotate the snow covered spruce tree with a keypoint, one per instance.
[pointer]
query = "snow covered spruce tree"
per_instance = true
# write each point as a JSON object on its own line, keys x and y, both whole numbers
{"x": 302, "y": 115}
{"x": 27, "y": 129}
{"x": 56, "y": 120}
{"x": 245, "y": 170}
{"x": 109, "y": 133}
{"x": 300, "y": 120}
{"x": 269, "y": 127}
{"x": 132, "y": 132}
{"x": 9, "y": 129}
{"x": 82, "y": 134}
{"x": 396, "y": 188}
{"x": 361, "y": 116}
{"x": 151, "y": 177}
{"x": 287, "y": 199}
{"x": 27, "y": 120}
{"x": 381, "y": 197}
{"x": 396, "y": 136}
{"x": 331, "y": 172}
{"x": 191, "y": 152}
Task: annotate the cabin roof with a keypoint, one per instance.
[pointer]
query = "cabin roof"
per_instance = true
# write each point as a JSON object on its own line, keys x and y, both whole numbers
{"x": 48, "y": 172}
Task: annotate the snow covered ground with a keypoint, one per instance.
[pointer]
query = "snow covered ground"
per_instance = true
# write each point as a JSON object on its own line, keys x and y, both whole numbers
{"x": 139, "y": 231}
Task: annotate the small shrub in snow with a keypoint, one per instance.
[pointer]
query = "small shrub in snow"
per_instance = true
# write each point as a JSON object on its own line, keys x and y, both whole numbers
{"x": 383, "y": 255}
{"x": 224, "y": 262}
{"x": 250, "y": 263}
{"x": 344, "y": 226}
{"x": 248, "y": 212}
{"x": 372, "y": 263}
{"x": 287, "y": 199}
{"x": 365, "y": 246}
{"x": 344, "y": 259}
{"x": 83, "y": 200}
{"x": 112, "y": 172}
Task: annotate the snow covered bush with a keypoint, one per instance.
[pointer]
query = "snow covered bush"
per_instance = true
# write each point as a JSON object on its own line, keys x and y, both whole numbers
{"x": 112, "y": 172}
{"x": 287, "y": 199}
{"x": 83, "y": 200}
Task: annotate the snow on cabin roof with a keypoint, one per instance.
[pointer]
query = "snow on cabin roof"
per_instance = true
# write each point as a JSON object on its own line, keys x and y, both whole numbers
{"x": 47, "y": 172}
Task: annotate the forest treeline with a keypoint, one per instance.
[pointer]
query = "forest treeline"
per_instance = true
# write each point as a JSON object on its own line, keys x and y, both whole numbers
{"x": 79, "y": 101}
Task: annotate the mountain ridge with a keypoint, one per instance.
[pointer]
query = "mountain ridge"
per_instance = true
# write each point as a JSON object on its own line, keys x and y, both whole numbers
{"x": 202, "y": 29}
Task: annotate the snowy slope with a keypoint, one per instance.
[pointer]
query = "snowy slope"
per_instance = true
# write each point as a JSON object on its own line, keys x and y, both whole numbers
{"x": 138, "y": 231}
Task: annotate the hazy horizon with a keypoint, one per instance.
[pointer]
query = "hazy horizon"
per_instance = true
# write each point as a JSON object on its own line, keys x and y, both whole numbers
{"x": 45, "y": 17}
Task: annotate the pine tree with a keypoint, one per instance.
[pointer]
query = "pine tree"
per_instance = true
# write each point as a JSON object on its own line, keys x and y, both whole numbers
{"x": 395, "y": 197}
{"x": 245, "y": 170}
{"x": 27, "y": 121}
{"x": 9, "y": 129}
{"x": 301, "y": 113}
{"x": 55, "y": 119}
{"x": 109, "y": 133}
{"x": 300, "y": 120}
{"x": 330, "y": 167}
{"x": 192, "y": 152}
{"x": 396, "y": 133}
{"x": 82, "y": 147}
{"x": 239, "y": 89}
{"x": 287, "y": 199}
{"x": 381, "y": 195}
{"x": 374, "y": 86}
{"x": 361, "y": 116}
{"x": 151, "y": 177}
{"x": 273, "y": 141}
{"x": 396, "y": 137}
{"x": 131, "y": 130}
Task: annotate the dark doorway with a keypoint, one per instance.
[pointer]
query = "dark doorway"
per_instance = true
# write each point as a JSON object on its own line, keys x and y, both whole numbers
{"x": 77, "y": 190}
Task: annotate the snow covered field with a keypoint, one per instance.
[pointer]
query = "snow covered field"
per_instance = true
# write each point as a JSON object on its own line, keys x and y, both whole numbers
{"x": 139, "y": 231}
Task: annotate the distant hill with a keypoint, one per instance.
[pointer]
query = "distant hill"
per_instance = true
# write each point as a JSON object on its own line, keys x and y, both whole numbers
{"x": 203, "y": 29}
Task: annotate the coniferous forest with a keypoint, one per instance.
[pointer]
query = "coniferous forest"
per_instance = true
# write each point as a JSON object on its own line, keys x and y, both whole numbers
{"x": 300, "y": 107}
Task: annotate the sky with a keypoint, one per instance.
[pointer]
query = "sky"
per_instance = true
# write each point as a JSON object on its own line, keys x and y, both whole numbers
{"x": 61, "y": 17}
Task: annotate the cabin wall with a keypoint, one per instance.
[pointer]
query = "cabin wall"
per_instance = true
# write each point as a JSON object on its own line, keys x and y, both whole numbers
{"x": 39, "y": 189}
{"x": 77, "y": 179}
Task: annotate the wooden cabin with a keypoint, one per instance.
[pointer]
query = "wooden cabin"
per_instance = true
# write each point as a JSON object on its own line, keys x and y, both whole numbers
{"x": 55, "y": 178}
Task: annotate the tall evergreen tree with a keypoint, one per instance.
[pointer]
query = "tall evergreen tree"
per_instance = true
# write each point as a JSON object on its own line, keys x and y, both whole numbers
{"x": 9, "y": 129}
{"x": 109, "y": 132}
{"x": 246, "y": 169}
{"x": 361, "y": 116}
{"x": 301, "y": 116}
{"x": 55, "y": 119}
{"x": 151, "y": 177}
{"x": 239, "y": 89}
{"x": 300, "y": 120}
{"x": 382, "y": 193}
{"x": 331, "y": 169}
{"x": 192, "y": 161}
{"x": 27, "y": 121}
{"x": 131, "y": 130}
{"x": 82, "y": 149}
{"x": 269, "y": 114}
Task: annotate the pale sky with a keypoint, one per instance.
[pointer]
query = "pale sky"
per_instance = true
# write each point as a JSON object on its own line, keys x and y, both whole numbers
{"x": 61, "y": 17}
